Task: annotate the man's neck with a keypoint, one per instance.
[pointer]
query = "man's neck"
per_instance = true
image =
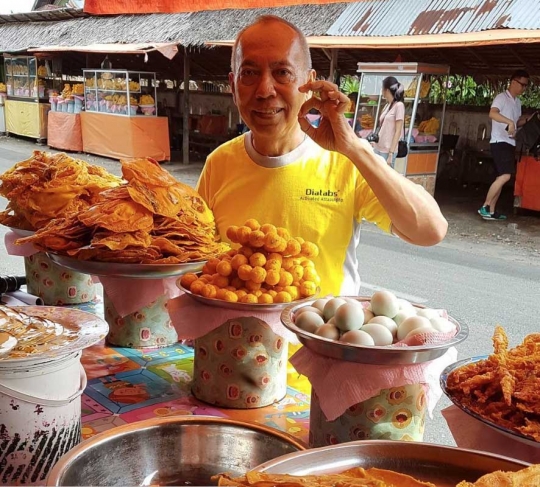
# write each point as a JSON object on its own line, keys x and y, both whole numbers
{"x": 274, "y": 148}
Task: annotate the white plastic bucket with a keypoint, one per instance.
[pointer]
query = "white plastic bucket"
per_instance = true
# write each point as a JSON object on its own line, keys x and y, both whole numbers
{"x": 40, "y": 416}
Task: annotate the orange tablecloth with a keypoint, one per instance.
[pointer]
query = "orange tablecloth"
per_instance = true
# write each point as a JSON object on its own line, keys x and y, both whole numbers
{"x": 64, "y": 131}
{"x": 527, "y": 186}
{"x": 126, "y": 137}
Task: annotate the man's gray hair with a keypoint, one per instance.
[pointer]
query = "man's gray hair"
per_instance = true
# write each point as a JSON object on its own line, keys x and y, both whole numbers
{"x": 266, "y": 19}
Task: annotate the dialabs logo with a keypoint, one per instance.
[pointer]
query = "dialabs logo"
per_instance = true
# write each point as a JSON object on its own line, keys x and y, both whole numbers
{"x": 312, "y": 194}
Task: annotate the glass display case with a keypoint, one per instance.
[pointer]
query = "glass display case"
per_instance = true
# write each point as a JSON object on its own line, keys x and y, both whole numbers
{"x": 423, "y": 120}
{"x": 120, "y": 92}
{"x": 31, "y": 78}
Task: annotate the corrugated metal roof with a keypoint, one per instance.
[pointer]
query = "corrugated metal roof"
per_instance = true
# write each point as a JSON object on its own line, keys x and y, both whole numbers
{"x": 415, "y": 17}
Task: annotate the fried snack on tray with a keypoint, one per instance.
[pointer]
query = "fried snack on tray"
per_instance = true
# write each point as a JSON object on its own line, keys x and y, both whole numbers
{"x": 528, "y": 477}
{"x": 153, "y": 219}
{"x": 48, "y": 186}
{"x": 354, "y": 477}
{"x": 504, "y": 388}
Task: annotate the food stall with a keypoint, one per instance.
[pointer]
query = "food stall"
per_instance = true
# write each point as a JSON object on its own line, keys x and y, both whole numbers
{"x": 120, "y": 118}
{"x": 29, "y": 82}
{"x": 64, "y": 119}
{"x": 423, "y": 121}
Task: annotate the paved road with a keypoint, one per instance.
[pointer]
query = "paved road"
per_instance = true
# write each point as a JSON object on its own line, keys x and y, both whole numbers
{"x": 476, "y": 287}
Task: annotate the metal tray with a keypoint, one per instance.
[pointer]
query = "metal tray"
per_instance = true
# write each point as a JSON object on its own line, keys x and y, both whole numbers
{"x": 501, "y": 429}
{"x": 20, "y": 232}
{"x": 444, "y": 466}
{"x": 219, "y": 303}
{"x": 90, "y": 329}
{"x": 133, "y": 271}
{"x": 370, "y": 355}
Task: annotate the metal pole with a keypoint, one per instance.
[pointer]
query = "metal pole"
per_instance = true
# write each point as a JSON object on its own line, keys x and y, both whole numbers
{"x": 185, "y": 110}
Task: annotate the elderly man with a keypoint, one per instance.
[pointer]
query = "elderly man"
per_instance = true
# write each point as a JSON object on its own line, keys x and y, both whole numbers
{"x": 319, "y": 183}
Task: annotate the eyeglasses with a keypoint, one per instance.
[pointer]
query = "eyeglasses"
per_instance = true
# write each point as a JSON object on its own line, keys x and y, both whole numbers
{"x": 282, "y": 76}
{"x": 523, "y": 85}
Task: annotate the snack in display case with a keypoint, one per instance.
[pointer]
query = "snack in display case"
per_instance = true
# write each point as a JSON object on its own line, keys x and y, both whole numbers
{"x": 120, "y": 92}
{"x": 30, "y": 77}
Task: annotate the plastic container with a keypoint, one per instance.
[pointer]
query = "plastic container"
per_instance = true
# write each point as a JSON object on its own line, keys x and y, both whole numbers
{"x": 70, "y": 106}
{"x": 148, "y": 109}
{"x": 40, "y": 407}
{"x": 79, "y": 100}
{"x": 53, "y": 100}
{"x": 133, "y": 110}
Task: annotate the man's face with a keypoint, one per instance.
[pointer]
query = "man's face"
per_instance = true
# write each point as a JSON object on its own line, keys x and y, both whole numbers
{"x": 270, "y": 66}
{"x": 520, "y": 85}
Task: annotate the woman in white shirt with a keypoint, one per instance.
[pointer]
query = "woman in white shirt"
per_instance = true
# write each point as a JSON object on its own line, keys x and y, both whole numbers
{"x": 391, "y": 120}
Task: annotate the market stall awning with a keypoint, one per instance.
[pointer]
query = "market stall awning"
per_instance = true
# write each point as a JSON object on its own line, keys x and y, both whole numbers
{"x": 169, "y": 50}
{"x": 467, "y": 39}
{"x": 99, "y": 7}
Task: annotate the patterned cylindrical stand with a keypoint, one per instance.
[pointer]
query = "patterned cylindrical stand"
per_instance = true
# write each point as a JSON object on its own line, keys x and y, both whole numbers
{"x": 149, "y": 327}
{"x": 57, "y": 285}
{"x": 394, "y": 414}
{"x": 242, "y": 364}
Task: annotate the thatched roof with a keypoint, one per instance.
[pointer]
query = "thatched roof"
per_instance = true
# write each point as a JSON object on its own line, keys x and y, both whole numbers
{"x": 192, "y": 29}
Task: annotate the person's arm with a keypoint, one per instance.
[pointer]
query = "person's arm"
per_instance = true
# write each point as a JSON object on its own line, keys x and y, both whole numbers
{"x": 415, "y": 215}
{"x": 495, "y": 114}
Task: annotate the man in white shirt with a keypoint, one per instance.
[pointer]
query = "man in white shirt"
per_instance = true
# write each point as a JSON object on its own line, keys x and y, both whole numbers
{"x": 506, "y": 117}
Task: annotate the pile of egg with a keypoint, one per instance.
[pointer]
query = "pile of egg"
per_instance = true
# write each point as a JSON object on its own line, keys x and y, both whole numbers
{"x": 385, "y": 321}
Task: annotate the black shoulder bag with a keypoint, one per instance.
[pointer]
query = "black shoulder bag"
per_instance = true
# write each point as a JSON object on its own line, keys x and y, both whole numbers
{"x": 402, "y": 148}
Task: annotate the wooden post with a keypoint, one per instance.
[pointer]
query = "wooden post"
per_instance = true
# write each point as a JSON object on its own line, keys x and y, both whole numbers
{"x": 333, "y": 65}
{"x": 185, "y": 110}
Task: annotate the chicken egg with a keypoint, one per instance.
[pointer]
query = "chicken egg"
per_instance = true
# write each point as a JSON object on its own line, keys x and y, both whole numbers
{"x": 428, "y": 313}
{"x": 331, "y": 307}
{"x": 442, "y": 324}
{"x": 357, "y": 337}
{"x": 402, "y": 315}
{"x": 411, "y": 324}
{"x": 381, "y": 335}
{"x": 349, "y": 316}
{"x": 309, "y": 321}
{"x": 388, "y": 323}
{"x": 328, "y": 330}
{"x": 368, "y": 315}
{"x": 384, "y": 303}
{"x": 319, "y": 304}
{"x": 312, "y": 309}
{"x": 404, "y": 305}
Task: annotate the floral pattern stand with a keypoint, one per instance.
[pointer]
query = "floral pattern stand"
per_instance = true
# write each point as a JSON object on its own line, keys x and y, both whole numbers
{"x": 57, "y": 285}
{"x": 242, "y": 364}
{"x": 149, "y": 327}
{"x": 394, "y": 414}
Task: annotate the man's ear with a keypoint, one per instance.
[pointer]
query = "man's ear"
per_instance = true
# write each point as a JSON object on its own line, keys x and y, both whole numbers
{"x": 233, "y": 87}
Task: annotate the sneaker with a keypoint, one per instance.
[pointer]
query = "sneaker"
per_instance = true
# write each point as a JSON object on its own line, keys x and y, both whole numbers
{"x": 484, "y": 212}
{"x": 495, "y": 216}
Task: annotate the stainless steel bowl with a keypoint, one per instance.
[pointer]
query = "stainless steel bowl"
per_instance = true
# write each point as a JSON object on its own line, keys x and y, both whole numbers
{"x": 182, "y": 450}
{"x": 366, "y": 354}
{"x": 444, "y": 466}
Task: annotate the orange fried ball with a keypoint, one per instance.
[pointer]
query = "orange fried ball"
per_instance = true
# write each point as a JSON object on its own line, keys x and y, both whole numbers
{"x": 188, "y": 279}
{"x": 224, "y": 268}
{"x": 253, "y": 224}
{"x": 310, "y": 250}
{"x": 268, "y": 228}
{"x": 256, "y": 238}
{"x": 242, "y": 234}
{"x": 231, "y": 234}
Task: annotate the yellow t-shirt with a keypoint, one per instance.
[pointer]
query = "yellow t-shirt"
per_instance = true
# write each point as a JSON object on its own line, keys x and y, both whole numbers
{"x": 314, "y": 193}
